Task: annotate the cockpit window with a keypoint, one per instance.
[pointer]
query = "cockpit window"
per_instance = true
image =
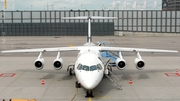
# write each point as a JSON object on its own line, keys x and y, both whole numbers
{"x": 83, "y": 67}
{"x": 99, "y": 67}
{"x": 92, "y": 68}
{"x": 86, "y": 68}
{"x": 79, "y": 67}
{"x": 89, "y": 68}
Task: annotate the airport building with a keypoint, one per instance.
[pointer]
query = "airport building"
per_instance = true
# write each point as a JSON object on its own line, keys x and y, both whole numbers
{"x": 49, "y": 23}
{"x": 174, "y": 5}
{"x": 171, "y": 5}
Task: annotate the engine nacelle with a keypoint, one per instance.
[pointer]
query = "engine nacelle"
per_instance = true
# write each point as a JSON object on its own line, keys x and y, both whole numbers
{"x": 120, "y": 63}
{"x": 39, "y": 63}
{"x": 139, "y": 63}
{"x": 58, "y": 64}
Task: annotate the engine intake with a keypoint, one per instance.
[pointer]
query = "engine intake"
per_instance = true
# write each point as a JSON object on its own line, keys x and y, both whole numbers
{"x": 58, "y": 64}
{"x": 39, "y": 63}
{"x": 139, "y": 63}
{"x": 120, "y": 63}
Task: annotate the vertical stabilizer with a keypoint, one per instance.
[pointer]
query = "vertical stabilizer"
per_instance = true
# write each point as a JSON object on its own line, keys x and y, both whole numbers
{"x": 89, "y": 37}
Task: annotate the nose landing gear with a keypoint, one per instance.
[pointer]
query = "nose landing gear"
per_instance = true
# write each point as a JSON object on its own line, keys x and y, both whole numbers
{"x": 89, "y": 94}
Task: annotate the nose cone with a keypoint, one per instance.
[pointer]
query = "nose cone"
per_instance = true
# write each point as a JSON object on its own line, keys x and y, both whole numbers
{"x": 89, "y": 83}
{"x": 90, "y": 80}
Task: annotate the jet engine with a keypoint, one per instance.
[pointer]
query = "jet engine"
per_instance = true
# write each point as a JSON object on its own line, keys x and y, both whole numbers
{"x": 39, "y": 63}
{"x": 120, "y": 62}
{"x": 58, "y": 64}
{"x": 139, "y": 62}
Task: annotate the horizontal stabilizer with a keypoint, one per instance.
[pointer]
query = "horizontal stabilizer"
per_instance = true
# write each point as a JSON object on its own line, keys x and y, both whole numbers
{"x": 88, "y": 17}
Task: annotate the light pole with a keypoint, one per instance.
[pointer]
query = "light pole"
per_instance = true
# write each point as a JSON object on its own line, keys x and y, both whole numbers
{"x": 52, "y": 7}
{"x": 47, "y": 6}
{"x": 31, "y": 7}
{"x": 102, "y": 6}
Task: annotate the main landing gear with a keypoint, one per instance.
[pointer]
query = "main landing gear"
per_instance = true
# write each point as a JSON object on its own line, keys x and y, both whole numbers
{"x": 89, "y": 94}
{"x": 70, "y": 68}
{"x": 77, "y": 84}
{"x": 70, "y": 71}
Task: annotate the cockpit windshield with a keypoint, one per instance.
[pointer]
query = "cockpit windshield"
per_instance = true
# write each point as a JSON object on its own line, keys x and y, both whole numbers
{"x": 89, "y": 68}
{"x": 86, "y": 68}
{"x": 92, "y": 68}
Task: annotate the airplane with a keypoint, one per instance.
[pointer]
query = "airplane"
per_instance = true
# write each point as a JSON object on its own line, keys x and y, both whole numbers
{"x": 89, "y": 67}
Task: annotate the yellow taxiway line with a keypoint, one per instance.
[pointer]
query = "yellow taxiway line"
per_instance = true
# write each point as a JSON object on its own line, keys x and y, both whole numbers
{"x": 89, "y": 99}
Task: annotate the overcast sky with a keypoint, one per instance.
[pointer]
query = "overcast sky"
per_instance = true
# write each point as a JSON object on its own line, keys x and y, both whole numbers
{"x": 81, "y": 4}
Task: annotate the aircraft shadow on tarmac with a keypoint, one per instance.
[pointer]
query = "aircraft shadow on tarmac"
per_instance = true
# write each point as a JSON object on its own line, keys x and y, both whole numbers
{"x": 66, "y": 77}
{"x": 141, "y": 76}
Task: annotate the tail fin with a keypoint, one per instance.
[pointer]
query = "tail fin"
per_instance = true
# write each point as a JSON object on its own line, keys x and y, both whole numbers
{"x": 89, "y": 37}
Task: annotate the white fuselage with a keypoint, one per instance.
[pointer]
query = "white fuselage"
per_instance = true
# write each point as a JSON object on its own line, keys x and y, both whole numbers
{"x": 89, "y": 68}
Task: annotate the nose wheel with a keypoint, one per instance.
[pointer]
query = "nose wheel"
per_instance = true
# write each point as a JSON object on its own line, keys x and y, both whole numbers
{"x": 89, "y": 94}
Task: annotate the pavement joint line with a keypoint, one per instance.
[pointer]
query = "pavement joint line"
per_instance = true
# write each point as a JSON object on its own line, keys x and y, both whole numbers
{"x": 135, "y": 92}
{"x": 168, "y": 64}
{"x": 170, "y": 84}
{"x": 14, "y": 80}
{"x": 47, "y": 88}
{"x": 2, "y": 71}
{"x": 131, "y": 87}
{"x": 7, "y": 66}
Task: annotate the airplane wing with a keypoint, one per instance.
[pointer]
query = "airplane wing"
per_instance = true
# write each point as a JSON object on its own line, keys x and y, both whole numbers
{"x": 43, "y": 50}
{"x": 124, "y": 49}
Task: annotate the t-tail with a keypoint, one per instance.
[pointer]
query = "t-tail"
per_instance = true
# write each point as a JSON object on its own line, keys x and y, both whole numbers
{"x": 89, "y": 18}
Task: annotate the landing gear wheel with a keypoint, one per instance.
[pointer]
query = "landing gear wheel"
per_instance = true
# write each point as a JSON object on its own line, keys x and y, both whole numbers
{"x": 89, "y": 94}
{"x": 70, "y": 71}
{"x": 78, "y": 85}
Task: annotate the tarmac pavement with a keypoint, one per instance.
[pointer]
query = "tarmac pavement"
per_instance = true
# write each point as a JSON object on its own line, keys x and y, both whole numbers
{"x": 20, "y": 80}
